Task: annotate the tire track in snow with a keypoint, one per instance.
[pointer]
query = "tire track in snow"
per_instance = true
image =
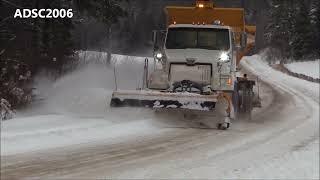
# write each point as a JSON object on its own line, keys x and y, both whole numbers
{"x": 185, "y": 142}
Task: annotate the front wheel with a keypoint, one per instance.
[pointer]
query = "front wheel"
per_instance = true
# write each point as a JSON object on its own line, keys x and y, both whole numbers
{"x": 223, "y": 126}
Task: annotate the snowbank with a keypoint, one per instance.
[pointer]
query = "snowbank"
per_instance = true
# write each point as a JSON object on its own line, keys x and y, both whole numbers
{"x": 258, "y": 66}
{"x": 308, "y": 68}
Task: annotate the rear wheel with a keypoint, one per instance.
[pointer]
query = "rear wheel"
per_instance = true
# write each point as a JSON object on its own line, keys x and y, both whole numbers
{"x": 223, "y": 126}
{"x": 244, "y": 100}
{"x": 115, "y": 102}
{"x": 247, "y": 104}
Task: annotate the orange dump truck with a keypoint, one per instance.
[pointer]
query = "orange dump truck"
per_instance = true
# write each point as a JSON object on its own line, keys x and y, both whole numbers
{"x": 205, "y": 12}
{"x": 196, "y": 63}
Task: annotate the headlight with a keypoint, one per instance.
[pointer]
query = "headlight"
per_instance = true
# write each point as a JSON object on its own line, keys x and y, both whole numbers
{"x": 159, "y": 55}
{"x": 224, "y": 57}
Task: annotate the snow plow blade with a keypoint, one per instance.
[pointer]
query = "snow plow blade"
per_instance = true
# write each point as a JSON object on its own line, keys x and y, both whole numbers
{"x": 167, "y": 100}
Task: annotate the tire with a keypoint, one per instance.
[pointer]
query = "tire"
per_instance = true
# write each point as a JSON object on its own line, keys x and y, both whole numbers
{"x": 115, "y": 102}
{"x": 223, "y": 126}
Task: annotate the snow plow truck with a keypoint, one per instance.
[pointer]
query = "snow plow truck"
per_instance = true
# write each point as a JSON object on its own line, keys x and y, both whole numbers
{"x": 197, "y": 60}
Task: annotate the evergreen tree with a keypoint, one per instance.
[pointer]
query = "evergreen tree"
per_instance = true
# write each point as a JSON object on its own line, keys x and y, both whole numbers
{"x": 315, "y": 15}
{"x": 28, "y": 45}
{"x": 34, "y": 41}
{"x": 302, "y": 39}
{"x": 107, "y": 12}
{"x": 56, "y": 38}
{"x": 278, "y": 30}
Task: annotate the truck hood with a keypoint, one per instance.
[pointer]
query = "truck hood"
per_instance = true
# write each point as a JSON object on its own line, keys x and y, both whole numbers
{"x": 200, "y": 55}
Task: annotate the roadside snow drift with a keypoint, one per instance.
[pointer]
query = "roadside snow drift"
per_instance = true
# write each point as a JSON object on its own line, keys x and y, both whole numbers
{"x": 308, "y": 68}
{"x": 87, "y": 90}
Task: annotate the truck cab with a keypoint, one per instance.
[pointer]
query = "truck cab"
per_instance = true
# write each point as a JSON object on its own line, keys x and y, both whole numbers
{"x": 199, "y": 53}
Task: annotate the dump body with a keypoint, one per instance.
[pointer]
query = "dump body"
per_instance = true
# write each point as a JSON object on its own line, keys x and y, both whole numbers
{"x": 233, "y": 17}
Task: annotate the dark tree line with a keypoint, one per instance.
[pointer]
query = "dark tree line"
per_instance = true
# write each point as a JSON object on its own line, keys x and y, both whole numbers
{"x": 293, "y": 29}
{"x": 106, "y": 12}
{"x": 125, "y": 26}
{"x": 30, "y": 45}
{"x": 39, "y": 43}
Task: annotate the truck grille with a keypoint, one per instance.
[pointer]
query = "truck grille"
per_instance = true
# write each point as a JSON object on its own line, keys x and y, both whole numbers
{"x": 197, "y": 73}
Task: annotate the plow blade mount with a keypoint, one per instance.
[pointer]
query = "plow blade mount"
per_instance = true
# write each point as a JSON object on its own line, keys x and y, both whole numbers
{"x": 157, "y": 99}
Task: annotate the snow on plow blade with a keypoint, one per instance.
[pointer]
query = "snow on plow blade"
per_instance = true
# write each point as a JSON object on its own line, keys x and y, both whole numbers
{"x": 156, "y": 99}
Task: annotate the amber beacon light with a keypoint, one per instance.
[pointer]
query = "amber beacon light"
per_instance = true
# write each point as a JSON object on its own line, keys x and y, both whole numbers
{"x": 204, "y": 4}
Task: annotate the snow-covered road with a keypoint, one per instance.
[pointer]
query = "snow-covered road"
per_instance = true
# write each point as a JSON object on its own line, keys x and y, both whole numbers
{"x": 282, "y": 140}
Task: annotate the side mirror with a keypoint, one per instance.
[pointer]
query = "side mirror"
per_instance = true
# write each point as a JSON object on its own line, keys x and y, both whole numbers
{"x": 243, "y": 40}
{"x": 158, "y": 38}
{"x": 154, "y": 36}
{"x": 155, "y": 40}
{"x": 156, "y": 47}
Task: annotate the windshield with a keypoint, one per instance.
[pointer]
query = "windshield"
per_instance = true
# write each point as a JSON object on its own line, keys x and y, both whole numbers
{"x": 198, "y": 38}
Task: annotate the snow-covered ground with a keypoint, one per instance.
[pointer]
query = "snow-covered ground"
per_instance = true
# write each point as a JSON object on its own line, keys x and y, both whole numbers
{"x": 74, "y": 133}
{"x": 303, "y": 160}
{"x": 308, "y": 68}
{"x": 76, "y": 108}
